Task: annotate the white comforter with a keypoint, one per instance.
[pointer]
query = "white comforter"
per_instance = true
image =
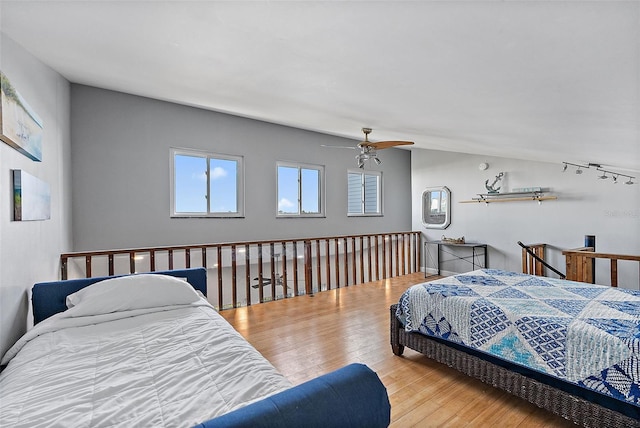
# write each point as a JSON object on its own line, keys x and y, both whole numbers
{"x": 169, "y": 366}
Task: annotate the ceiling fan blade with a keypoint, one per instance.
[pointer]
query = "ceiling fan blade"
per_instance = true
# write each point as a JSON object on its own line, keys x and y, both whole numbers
{"x": 338, "y": 147}
{"x": 385, "y": 144}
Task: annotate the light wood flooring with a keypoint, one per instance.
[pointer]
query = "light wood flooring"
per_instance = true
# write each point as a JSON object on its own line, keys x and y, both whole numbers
{"x": 306, "y": 336}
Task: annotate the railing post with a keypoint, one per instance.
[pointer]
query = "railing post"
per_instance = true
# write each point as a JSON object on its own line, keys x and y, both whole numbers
{"x": 285, "y": 291}
{"x": 111, "y": 264}
{"x": 318, "y": 265}
{"x": 420, "y": 247}
{"x": 308, "y": 268}
{"x": 132, "y": 262}
{"x": 370, "y": 277}
{"x": 337, "y": 258}
{"x": 260, "y": 273}
{"x": 63, "y": 268}
{"x": 234, "y": 278}
{"x": 295, "y": 267}
{"x": 247, "y": 273}
{"x": 273, "y": 269}
{"x": 375, "y": 238}
{"x": 353, "y": 260}
{"x": 402, "y": 253}
{"x": 219, "y": 254}
{"x": 87, "y": 266}
{"x": 397, "y": 255}
{"x": 152, "y": 260}
{"x": 346, "y": 262}
{"x": 384, "y": 256}
{"x": 328, "y": 263}
{"x": 361, "y": 259}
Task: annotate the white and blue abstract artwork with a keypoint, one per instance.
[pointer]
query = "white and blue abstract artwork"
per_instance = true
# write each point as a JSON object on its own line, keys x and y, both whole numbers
{"x": 31, "y": 197}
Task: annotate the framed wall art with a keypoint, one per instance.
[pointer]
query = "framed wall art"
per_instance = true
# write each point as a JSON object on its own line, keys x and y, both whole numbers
{"x": 31, "y": 197}
{"x": 20, "y": 126}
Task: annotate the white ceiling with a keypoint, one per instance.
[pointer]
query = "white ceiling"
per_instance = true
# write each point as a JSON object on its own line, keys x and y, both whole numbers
{"x": 541, "y": 80}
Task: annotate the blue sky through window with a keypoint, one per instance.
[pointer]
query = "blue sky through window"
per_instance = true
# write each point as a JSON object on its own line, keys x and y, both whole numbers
{"x": 191, "y": 184}
{"x": 310, "y": 187}
{"x": 287, "y": 190}
{"x": 293, "y": 180}
{"x": 224, "y": 196}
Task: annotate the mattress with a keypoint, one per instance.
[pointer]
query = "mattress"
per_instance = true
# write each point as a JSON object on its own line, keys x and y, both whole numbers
{"x": 173, "y": 365}
{"x": 584, "y": 334}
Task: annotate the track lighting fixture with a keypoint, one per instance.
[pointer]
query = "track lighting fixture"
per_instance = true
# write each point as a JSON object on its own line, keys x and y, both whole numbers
{"x": 612, "y": 174}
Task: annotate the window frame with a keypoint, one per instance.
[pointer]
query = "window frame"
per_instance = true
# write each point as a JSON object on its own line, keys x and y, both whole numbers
{"x": 240, "y": 187}
{"x": 362, "y": 174}
{"x": 321, "y": 189}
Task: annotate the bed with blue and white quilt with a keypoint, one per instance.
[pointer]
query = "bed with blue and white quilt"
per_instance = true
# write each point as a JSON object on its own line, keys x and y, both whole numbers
{"x": 570, "y": 347}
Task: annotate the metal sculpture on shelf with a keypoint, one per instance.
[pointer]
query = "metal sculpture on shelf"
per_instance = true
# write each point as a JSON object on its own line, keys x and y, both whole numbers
{"x": 491, "y": 187}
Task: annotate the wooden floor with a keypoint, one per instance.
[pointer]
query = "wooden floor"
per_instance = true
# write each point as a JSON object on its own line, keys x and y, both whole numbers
{"x": 307, "y": 336}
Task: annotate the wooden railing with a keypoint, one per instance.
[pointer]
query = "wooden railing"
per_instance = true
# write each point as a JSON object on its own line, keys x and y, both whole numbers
{"x": 530, "y": 264}
{"x": 259, "y": 271}
{"x": 580, "y": 262}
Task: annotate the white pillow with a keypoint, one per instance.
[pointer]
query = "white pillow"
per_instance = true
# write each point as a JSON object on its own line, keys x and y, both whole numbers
{"x": 131, "y": 292}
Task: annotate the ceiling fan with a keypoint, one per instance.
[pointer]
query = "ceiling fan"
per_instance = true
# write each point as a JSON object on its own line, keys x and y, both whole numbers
{"x": 368, "y": 149}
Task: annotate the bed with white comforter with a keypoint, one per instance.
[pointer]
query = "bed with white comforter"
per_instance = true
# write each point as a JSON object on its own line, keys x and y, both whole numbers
{"x": 132, "y": 356}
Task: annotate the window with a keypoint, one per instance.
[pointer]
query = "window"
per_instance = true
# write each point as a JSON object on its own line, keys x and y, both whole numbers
{"x": 364, "y": 193}
{"x": 300, "y": 190}
{"x": 206, "y": 184}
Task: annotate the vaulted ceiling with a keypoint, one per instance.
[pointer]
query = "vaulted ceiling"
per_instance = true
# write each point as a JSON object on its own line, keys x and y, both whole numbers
{"x": 542, "y": 80}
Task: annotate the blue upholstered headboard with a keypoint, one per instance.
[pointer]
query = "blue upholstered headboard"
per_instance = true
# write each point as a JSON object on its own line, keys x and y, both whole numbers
{"x": 49, "y": 298}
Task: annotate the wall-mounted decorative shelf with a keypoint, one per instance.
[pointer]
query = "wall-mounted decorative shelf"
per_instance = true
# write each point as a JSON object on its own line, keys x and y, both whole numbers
{"x": 510, "y": 197}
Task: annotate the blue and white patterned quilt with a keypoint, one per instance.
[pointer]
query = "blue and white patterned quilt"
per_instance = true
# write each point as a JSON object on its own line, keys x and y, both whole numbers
{"x": 582, "y": 333}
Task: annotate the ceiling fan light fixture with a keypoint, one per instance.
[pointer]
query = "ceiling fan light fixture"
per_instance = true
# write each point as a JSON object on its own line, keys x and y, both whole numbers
{"x": 377, "y": 161}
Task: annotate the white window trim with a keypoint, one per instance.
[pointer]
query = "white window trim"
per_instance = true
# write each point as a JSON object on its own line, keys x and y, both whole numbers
{"x": 380, "y": 212}
{"x": 240, "y": 190}
{"x": 321, "y": 191}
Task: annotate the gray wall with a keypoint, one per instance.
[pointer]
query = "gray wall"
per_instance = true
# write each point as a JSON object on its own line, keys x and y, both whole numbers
{"x": 30, "y": 251}
{"x": 585, "y": 206}
{"x": 120, "y": 169}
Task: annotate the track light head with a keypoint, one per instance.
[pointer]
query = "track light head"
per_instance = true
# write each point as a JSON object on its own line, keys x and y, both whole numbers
{"x": 629, "y": 182}
{"x": 564, "y": 168}
{"x": 578, "y": 171}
